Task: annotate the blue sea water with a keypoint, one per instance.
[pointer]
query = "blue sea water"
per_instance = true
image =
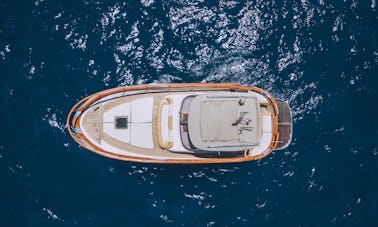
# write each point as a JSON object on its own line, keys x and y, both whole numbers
{"x": 321, "y": 56}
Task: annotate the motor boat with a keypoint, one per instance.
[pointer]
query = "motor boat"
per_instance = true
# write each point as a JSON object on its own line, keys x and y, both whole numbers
{"x": 188, "y": 123}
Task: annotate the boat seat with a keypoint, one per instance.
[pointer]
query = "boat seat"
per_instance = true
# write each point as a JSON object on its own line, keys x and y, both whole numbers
{"x": 165, "y": 123}
{"x": 266, "y": 135}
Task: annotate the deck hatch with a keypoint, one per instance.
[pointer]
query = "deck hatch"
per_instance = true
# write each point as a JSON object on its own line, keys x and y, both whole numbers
{"x": 121, "y": 122}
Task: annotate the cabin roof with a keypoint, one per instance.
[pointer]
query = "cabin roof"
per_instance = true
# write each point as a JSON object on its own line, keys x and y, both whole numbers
{"x": 224, "y": 122}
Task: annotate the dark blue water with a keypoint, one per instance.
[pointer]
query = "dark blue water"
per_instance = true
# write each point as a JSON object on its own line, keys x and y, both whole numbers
{"x": 321, "y": 56}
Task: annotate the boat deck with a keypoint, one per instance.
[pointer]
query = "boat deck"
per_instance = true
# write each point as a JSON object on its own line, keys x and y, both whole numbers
{"x": 121, "y": 147}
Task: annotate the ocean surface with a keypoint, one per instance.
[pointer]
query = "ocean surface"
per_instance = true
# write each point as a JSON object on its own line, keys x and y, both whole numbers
{"x": 321, "y": 56}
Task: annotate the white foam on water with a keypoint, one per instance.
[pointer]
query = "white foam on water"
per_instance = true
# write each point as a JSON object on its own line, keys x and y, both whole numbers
{"x": 51, "y": 215}
{"x": 154, "y": 50}
{"x": 32, "y": 69}
{"x": 261, "y": 205}
{"x": 374, "y": 151}
{"x": 58, "y": 16}
{"x": 106, "y": 78}
{"x": 1, "y": 148}
{"x": 38, "y": 2}
{"x": 211, "y": 223}
{"x": 75, "y": 39}
{"x": 195, "y": 196}
{"x": 166, "y": 78}
{"x": 312, "y": 171}
{"x": 20, "y": 171}
{"x": 51, "y": 117}
{"x": 327, "y": 148}
{"x": 289, "y": 173}
{"x": 165, "y": 218}
{"x": 147, "y": 3}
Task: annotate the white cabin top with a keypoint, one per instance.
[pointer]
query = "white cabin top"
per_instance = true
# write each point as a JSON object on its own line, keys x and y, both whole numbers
{"x": 224, "y": 122}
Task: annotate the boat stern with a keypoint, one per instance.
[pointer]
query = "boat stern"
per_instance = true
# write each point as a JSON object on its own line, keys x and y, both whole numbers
{"x": 285, "y": 125}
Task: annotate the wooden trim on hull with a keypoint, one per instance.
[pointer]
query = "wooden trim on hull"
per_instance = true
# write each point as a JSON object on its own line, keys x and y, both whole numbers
{"x": 74, "y": 115}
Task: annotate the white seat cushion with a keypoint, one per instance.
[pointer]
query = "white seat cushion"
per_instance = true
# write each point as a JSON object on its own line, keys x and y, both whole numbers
{"x": 141, "y": 135}
{"x": 141, "y": 110}
{"x": 120, "y": 110}
{"x": 118, "y": 134}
